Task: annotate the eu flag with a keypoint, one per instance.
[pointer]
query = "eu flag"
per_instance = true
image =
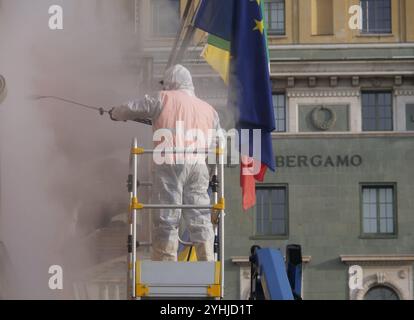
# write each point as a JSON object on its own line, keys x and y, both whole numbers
{"x": 215, "y": 17}
{"x": 250, "y": 83}
{"x": 241, "y": 23}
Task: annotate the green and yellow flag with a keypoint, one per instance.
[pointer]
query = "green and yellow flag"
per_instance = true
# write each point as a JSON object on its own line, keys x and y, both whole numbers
{"x": 217, "y": 55}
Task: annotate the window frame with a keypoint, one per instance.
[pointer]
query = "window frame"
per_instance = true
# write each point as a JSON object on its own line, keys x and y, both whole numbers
{"x": 154, "y": 30}
{"x": 378, "y": 185}
{"x": 280, "y": 93}
{"x": 377, "y": 118}
{"x": 408, "y": 105}
{"x": 374, "y": 32}
{"x": 284, "y": 236}
{"x": 274, "y": 32}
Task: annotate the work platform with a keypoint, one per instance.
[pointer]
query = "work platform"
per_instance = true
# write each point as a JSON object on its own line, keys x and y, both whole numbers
{"x": 176, "y": 280}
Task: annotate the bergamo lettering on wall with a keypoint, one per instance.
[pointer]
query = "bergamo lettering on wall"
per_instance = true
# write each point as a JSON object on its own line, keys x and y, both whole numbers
{"x": 317, "y": 161}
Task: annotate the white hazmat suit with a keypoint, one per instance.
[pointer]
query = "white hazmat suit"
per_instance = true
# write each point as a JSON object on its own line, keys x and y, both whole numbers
{"x": 178, "y": 184}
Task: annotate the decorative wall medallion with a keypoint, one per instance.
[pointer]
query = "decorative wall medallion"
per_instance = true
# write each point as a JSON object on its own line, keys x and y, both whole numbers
{"x": 376, "y": 82}
{"x": 402, "y": 274}
{"x": 323, "y": 118}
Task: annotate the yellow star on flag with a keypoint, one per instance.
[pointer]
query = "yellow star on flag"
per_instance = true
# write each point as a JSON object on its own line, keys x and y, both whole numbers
{"x": 259, "y": 25}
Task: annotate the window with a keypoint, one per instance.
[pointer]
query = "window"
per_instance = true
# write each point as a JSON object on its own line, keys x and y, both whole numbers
{"x": 409, "y": 116}
{"x": 271, "y": 211}
{"x": 376, "y": 16}
{"x": 381, "y": 293}
{"x": 378, "y": 210}
{"x": 377, "y": 112}
{"x": 274, "y": 15}
{"x": 279, "y": 105}
{"x": 165, "y": 17}
{"x": 322, "y": 17}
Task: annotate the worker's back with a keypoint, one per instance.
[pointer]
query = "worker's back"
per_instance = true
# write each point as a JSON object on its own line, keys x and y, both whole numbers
{"x": 186, "y": 112}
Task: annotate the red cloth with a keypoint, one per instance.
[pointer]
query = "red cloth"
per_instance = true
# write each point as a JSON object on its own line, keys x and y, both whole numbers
{"x": 248, "y": 180}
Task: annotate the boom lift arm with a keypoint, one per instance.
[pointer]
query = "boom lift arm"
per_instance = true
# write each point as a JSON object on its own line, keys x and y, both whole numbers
{"x": 270, "y": 279}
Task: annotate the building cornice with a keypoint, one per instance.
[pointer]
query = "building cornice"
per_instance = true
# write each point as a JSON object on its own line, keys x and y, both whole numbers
{"x": 391, "y": 258}
{"x": 322, "y": 93}
{"x": 363, "y": 67}
{"x": 341, "y": 135}
{"x": 404, "y": 92}
{"x": 243, "y": 260}
{"x": 295, "y": 46}
{"x": 342, "y": 46}
{"x": 344, "y": 73}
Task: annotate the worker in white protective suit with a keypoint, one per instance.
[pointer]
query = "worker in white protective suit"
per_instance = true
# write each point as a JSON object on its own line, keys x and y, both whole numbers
{"x": 178, "y": 183}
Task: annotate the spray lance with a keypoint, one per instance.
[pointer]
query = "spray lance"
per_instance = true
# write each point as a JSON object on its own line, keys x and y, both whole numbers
{"x": 101, "y": 110}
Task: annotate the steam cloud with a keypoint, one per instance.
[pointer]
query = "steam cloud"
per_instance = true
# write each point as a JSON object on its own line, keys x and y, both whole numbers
{"x": 62, "y": 169}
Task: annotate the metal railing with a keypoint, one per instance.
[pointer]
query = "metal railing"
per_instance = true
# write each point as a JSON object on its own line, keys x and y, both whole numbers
{"x": 217, "y": 208}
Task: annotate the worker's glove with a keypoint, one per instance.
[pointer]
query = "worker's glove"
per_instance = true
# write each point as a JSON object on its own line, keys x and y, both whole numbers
{"x": 111, "y": 114}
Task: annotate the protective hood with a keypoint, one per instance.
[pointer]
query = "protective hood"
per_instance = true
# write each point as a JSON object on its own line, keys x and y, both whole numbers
{"x": 178, "y": 78}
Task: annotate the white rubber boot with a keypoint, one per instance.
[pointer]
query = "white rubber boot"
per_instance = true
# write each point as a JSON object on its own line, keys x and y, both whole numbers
{"x": 205, "y": 251}
{"x": 164, "y": 250}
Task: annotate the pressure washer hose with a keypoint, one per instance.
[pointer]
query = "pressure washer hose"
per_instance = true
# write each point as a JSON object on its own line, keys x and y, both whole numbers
{"x": 101, "y": 111}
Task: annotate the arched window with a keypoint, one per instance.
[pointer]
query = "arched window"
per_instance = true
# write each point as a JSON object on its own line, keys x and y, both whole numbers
{"x": 381, "y": 293}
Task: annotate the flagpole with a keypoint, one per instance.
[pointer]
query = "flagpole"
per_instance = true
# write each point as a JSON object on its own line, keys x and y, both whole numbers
{"x": 172, "y": 59}
{"x": 189, "y": 35}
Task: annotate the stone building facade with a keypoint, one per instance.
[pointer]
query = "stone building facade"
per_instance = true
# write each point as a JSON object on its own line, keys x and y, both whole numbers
{"x": 344, "y": 105}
